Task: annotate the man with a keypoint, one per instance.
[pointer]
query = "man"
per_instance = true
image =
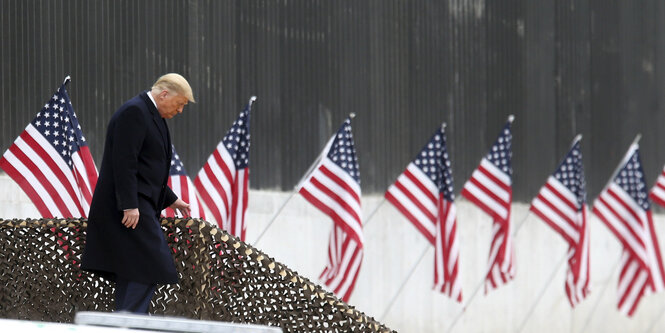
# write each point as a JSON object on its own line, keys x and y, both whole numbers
{"x": 124, "y": 240}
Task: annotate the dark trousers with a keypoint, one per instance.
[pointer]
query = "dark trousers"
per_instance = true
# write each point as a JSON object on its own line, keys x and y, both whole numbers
{"x": 133, "y": 296}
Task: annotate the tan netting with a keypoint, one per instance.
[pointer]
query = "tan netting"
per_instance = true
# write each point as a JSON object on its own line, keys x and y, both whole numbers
{"x": 221, "y": 278}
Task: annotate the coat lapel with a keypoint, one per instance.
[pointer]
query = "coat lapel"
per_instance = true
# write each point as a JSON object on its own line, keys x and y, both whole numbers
{"x": 160, "y": 124}
{"x": 169, "y": 150}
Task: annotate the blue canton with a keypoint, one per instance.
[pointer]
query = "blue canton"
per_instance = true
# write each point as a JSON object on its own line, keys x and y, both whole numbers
{"x": 571, "y": 174}
{"x": 434, "y": 161}
{"x": 176, "y": 165}
{"x": 631, "y": 179}
{"x": 343, "y": 151}
{"x": 501, "y": 152}
{"x": 57, "y": 123}
{"x": 236, "y": 140}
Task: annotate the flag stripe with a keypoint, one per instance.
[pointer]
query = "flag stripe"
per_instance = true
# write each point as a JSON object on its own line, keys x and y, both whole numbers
{"x": 215, "y": 197}
{"x": 90, "y": 170}
{"x": 85, "y": 173}
{"x": 51, "y": 161}
{"x": 604, "y": 208}
{"x": 653, "y": 251}
{"x": 334, "y": 200}
{"x": 329, "y": 186}
{"x": 406, "y": 207}
{"x": 81, "y": 179}
{"x": 40, "y": 152}
{"x": 477, "y": 194}
{"x": 425, "y": 186}
{"x": 223, "y": 181}
{"x": 30, "y": 147}
{"x": 624, "y": 208}
{"x": 184, "y": 189}
{"x": 658, "y": 191}
{"x": 549, "y": 213}
{"x": 347, "y": 184}
{"x": 197, "y": 209}
{"x": 182, "y": 186}
{"x": 424, "y": 194}
{"x": 483, "y": 190}
{"x": 16, "y": 170}
{"x": 343, "y": 279}
{"x": 239, "y": 202}
{"x": 219, "y": 176}
{"x": 555, "y": 194}
{"x": 489, "y": 188}
{"x": 200, "y": 183}
{"x": 414, "y": 195}
{"x": 350, "y": 251}
{"x": 333, "y": 187}
{"x": 658, "y": 195}
{"x": 60, "y": 207}
{"x": 627, "y": 209}
{"x": 486, "y": 177}
{"x": 447, "y": 253}
{"x": 326, "y": 205}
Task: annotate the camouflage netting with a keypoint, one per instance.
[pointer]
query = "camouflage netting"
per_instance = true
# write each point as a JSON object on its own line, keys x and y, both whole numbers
{"x": 221, "y": 278}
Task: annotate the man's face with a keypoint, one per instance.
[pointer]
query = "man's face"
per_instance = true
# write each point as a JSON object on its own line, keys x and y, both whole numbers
{"x": 170, "y": 104}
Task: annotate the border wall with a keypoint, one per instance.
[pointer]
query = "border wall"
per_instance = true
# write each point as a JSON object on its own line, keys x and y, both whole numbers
{"x": 562, "y": 67}
{"x": 299, "y": 239}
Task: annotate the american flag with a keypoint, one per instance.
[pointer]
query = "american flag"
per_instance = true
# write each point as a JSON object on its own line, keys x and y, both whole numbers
{"x": 334, "y": 187}
{"x": 561, "y": 203}
{"x": 51, "y": 162}
{"x": 658, "y": 190}
{"x": 424, "y": 194}
{"x": 223, "y": 180}
{"x": 182, "y": 186}
{"x": 625, "y": 209}
{"x": 490, "y": 189}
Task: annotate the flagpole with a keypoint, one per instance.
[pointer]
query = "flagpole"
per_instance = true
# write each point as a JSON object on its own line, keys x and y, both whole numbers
{"x": 600, "y": 296}
{"x": 653, "y": 324}
{"x": 623, "y": 160}
{"x": 616, "y": 265}
{"x": 369, "y": 217}
{"x": 413, "y": 269}
{"x": 295, "y": 190}
{"x": 472, "y": 295}
{"x": 519, "y": 227}
{"x": 399, "y": 291}
{"x": 482, "y": 282}
{"x": 297, "y": 187}
{"x": 318, "y": 159}
{"x": 274, "y": 217}
{"x": 542, "y": 292}
{"x": 551, "y": 278}
{"x": 511, "y": 118}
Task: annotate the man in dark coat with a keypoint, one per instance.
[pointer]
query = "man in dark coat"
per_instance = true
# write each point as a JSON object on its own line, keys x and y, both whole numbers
{"x": 124, "y": 240}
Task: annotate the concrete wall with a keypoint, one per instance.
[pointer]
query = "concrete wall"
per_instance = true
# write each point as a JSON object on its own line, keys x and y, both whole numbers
{"x": 299, "y": 236}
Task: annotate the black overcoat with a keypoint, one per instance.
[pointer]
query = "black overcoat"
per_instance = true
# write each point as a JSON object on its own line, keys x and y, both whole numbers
{"x": 134, "y": 174}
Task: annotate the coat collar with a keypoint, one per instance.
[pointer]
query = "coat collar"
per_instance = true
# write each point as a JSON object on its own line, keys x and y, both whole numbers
{"x": 159, "y": 122}
{"x": 151, "y": 105}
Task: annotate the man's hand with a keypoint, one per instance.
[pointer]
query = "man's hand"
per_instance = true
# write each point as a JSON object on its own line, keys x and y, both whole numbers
{"x": 131, "y": 218}
{"x": 180, "y": 206}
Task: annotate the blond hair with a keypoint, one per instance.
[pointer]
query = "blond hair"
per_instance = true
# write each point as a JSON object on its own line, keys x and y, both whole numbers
{"x": 174, "y": 83}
